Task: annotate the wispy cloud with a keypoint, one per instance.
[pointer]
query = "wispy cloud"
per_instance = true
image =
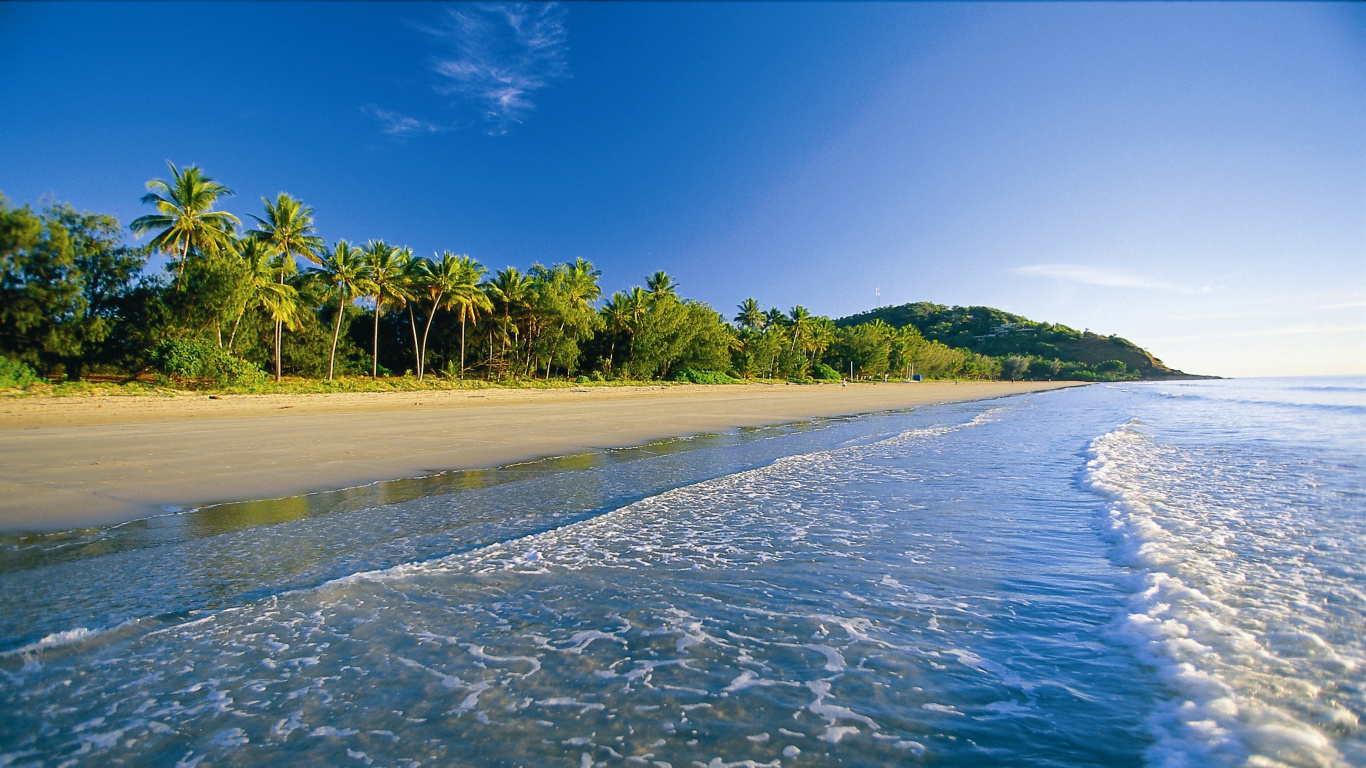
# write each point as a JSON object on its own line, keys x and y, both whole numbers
{"x": 498, "y": 55}
{"x": 396, "y": 124}
{"x": 1102, "y": 276}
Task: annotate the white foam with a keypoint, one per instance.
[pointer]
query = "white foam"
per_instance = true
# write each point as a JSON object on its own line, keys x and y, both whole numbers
{"x": 56, "y": 640}
{"x": 1220, "y": 608}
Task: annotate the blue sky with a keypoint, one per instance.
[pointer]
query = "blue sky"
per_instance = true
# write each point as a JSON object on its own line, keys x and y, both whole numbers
{"x": 1191, "y": 177}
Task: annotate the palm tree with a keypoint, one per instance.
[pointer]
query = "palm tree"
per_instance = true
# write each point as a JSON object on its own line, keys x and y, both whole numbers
{"x": 287, "y": 230}
{"x": 512, "y": 290}
{"x": 660, "y": 285}
{"x": 820, "y": 336}
{"x": 185, "y": 215}
{"x": 280, "y": 301}
{"x": 751, "y": 317}
{"x": 581, "y": 284}
{"x": 344, "y": 272}
{"x": 443, "y": 277}
{"x": 468, "y": 299}
{"x": 800, "y": 317}
{"x": 774, "y": 318}
{"x": 637, "y": 307}
{"x": 616, "y": 314}
{"x": 578, "y": 283}
{"x": 384, "y": 282}
{"x": 414, "y": 280}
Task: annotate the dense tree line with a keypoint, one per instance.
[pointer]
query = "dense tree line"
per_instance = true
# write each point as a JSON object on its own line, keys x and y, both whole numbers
{"x": 237, "y": 303}
{"x": 1032, "y": 349}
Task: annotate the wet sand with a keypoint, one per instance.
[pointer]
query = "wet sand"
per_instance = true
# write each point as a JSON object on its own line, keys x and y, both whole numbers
{"x": 75, "y": 462}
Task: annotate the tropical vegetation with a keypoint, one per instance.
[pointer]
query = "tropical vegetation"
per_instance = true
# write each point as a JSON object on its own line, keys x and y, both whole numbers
{"x": 235, "y": 307}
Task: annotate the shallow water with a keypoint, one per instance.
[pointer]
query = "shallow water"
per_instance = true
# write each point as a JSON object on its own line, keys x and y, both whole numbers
{"x": 1166, "y": 574}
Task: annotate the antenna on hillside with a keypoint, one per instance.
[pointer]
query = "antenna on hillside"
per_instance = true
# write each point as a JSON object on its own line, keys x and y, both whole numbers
{"x": 877, "y": 297}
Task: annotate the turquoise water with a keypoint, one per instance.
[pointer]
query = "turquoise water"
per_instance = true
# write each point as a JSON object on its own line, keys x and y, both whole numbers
{"x": 1156, "y": 574}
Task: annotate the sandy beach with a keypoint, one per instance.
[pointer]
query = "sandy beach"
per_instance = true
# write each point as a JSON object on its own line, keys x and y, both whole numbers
{"x": 74, "y": 462}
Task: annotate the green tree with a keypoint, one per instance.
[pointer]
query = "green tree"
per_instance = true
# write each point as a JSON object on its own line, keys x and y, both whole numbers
{"x": 287, "y": 230}
{"x": 279, "y": 301}
{"x": 1014, "y": 367}
{"x": 346, "y": 276}
{"x": 751, "y": 316}
{"x": 799, "y": 319}
{"x": 660, "y": 285}
{"x": 616, "y": 317}
{"x": 384, "y": 283}
{"x": 444, "y": 278}
{"x": 416, "y": 276}
{"x": 107, "y": 270}
{"x": 468, "y": 299}
{"x": 774, "y": 319}
{"x": 185, "y": 221}
{"x": 63, "y": 278}
{"x": 513, "y": 292}
{"x": 566, "y": 293}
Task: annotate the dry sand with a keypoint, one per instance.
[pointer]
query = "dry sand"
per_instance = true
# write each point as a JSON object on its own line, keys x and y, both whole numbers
{"x": 73, "y": 462}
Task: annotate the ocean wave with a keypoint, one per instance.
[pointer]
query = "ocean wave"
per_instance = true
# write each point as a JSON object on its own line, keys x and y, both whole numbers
{"x": 1222, "y": 613}
{"x": 620, "y": 538}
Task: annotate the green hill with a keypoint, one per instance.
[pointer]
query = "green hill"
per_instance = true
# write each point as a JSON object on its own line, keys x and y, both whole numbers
{"x": 993, "y": 332}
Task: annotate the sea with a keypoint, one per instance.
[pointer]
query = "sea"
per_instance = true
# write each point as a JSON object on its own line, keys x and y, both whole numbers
{"x": 1129, "y": 574}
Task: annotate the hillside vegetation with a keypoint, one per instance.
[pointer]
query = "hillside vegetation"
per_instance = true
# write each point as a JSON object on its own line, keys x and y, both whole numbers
{"x": 1049, "y": 348}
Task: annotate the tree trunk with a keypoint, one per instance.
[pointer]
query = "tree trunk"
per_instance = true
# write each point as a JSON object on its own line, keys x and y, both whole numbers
{"x": 426, "y": 331}
{"x": 462, "y": 344}
{"x": 336, "y": 332}
{"x": 279, "y": 335}
{"x": 417, "y": 353}
{"x": 374, "y": 369}
{"x": 232, "y": 338}
{"x": 184, "y": 255}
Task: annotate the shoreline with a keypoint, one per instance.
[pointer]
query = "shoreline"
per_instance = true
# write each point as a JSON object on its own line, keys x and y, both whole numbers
{"x": 69, "y": 463}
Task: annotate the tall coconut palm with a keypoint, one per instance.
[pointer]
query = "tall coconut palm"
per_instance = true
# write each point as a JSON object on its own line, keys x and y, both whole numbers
{"x": 287, "y": 230}
{"x": 800, "y": 318}
{"x": 511, "y": 290}
{"x": 384, "y": 283}
{"x": 774, "y": 322}
{"x": 185, "y": 219}
{"x": 819, "y": 337}
{"x": 443, "y": 276}
{"x": 346, "y": 276}
{"x": 467, "y": 298}
{"x": 416, "y": 270}
{"x": 581, "y": 284}
{"x": 660, "y": 285}
{"x": 774, "y": 318}
{"x": 637, "y": 307}
{"x": 750, "y": 317}
{"x": 279, "y": 300}
{"x": 616, "y": 314}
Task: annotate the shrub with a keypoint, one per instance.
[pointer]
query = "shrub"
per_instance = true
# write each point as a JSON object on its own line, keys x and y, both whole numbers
{"x": 582, "y": 380}
{"x": 14, "y": 373}
{"x": 690, "y": 376}
{"x": 197, "y": 360}
{"x": 825, "y": 373}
